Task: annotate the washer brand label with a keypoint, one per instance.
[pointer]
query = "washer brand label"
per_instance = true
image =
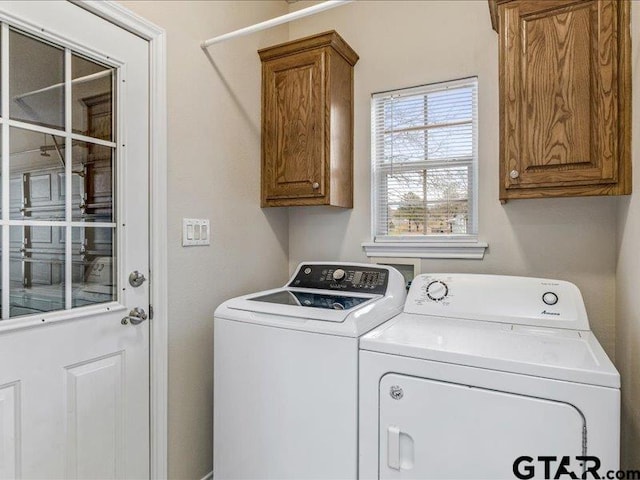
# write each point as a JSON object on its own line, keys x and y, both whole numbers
{"x": 579, "y": 467}
{"x": 544, "y": 312}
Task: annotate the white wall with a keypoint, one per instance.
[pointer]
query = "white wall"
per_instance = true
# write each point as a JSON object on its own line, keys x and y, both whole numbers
{"x": 402, "y": 44}
{"x": 214, "y": 172}
{"x": 628, "y": 279}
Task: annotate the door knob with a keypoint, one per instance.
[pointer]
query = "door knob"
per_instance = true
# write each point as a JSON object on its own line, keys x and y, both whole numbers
{"x": 514, "y": 174}
{"x": 315, "y": 185}
{"x": 136, "y": 317}
{"x": 136, "y": 278}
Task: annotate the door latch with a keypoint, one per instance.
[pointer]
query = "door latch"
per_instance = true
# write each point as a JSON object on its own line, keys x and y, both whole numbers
{"x": 136, "y": 317}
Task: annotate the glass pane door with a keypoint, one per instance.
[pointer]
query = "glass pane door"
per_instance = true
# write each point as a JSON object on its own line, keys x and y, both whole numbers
{"x": 58, "y": 177}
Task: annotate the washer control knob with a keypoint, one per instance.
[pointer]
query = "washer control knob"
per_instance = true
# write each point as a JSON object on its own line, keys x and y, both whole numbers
{"x": 550, "y": 298}
{"x": 339, "y": 275}
{"x": 437, "y": 290}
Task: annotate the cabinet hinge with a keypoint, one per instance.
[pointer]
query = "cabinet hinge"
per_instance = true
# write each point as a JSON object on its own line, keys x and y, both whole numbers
{"x": 584, "y": 440}
{"x": 150, "y": 312}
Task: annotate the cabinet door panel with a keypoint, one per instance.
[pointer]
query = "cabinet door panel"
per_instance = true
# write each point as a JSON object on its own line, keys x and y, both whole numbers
{"x": 293, "y": 129}
{"x": 560, "y": 78}
{"x": 566, "y": 120}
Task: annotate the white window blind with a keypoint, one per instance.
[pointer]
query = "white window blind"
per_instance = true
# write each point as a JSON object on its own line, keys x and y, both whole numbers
{"x": 424, "y": 155}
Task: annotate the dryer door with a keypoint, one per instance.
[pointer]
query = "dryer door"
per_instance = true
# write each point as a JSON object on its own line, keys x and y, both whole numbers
{"x": 437, "y": 430}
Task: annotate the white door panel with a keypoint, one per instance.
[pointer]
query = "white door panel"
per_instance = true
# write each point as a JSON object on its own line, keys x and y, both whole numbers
{"x": 77, "y": 412}
{"x": 9, "y": 418}
{"x": 95, "y": 385}
{"x": 74, "y": 380}
{"x": 436, "y": 430}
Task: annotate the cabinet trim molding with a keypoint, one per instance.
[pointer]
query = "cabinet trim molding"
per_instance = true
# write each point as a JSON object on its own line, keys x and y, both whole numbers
{"x": 325, "y": 39}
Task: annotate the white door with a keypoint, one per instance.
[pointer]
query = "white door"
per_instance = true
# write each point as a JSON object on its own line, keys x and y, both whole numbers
{"x": 74, "y": 376}
{"x": 438, "y": 430}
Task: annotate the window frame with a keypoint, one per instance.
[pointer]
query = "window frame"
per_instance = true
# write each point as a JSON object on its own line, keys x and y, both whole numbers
{"x": 464, "y": 245}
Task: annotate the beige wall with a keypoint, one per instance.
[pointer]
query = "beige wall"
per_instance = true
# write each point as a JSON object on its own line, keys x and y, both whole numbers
{"x": 628, "y": 280}
{"x": 410, "y": 43}
{"x": 214, "y": 172}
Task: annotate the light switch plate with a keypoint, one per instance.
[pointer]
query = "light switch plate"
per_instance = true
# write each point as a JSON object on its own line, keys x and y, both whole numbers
{"x": 195, "y": 232}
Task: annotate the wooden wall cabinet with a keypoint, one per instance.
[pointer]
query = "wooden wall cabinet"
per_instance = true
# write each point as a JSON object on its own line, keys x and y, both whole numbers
{"x": 307, "y": 122}
{"x": 565, "y": 97}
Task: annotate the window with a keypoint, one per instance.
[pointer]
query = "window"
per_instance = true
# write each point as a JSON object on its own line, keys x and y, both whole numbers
{"x": 425, "y": 162}
{"x": 57, "y": 221}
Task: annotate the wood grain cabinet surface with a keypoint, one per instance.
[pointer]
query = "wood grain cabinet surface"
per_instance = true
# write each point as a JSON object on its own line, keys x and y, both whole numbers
{"x": 307, "y": 122}
{"x": 565, "y": 97}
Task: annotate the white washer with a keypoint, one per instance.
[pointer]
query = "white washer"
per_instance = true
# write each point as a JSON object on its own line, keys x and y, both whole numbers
{"x": 286, "y": 372}
{"x": 480, "y": 370}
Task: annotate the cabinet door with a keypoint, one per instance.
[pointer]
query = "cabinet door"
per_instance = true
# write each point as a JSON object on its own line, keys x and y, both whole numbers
{"x": 559, "y": 105}
{"x": 436, "y": 430}
{"x": 293, "y": 127}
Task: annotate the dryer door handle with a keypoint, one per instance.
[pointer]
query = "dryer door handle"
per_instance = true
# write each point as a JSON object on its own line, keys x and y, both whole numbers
{"x": 400, "y": 449}
{"x": 393, "y": 447}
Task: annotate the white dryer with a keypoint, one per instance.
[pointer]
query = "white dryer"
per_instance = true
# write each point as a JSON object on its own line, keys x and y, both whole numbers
{"x": 487, "y": 377}
{"x": 286, "y": 372}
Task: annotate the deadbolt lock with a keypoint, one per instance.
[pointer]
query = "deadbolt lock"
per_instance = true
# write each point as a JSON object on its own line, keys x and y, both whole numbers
{"x": 136, "y": 278}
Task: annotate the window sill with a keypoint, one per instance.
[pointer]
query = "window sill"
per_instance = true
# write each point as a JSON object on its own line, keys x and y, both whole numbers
{"x": 461, "y": 249}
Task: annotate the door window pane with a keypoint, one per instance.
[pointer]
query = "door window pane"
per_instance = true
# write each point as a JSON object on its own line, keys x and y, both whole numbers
{"x": 92, "y": 93}
{"x": 94, "y": 264}
{"x": 36, "y": 269}
{"x": 45, "y": 272}
{"x": 37, "y": 185}
{"x": 94, "y": 174}
{"x": 36, "y": 81}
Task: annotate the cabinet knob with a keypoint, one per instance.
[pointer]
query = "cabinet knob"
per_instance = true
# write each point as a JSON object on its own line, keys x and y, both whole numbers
{"x": 514, "y": 174}
{"x": 315, "y": 185}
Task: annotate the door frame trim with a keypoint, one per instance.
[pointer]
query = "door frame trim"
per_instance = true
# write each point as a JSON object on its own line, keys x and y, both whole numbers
{"x": 158, "y": 356}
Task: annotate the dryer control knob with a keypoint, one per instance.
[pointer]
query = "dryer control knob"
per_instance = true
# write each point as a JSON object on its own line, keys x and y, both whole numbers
{"x": 339, "y": 275}
{"x": 550, "y": 298}
{"x": 437, "y": 290}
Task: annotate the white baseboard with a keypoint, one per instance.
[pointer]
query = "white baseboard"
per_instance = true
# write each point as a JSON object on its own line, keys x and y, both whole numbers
{"x": 208, "y": 476}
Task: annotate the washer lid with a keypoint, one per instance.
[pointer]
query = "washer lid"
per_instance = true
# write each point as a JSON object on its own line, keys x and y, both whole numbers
{"x": 306, "y": 299}
{"x": 310, "y": 304}
{"x": 569, "y": 355}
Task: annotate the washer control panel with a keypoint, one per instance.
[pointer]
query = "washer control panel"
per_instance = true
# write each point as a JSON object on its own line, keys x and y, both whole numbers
{"x": 344, "y": 278}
